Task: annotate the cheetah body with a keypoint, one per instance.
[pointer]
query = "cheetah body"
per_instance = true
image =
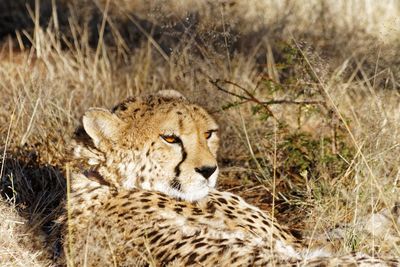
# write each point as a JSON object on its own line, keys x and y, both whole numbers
{"x": 141, "y": 198}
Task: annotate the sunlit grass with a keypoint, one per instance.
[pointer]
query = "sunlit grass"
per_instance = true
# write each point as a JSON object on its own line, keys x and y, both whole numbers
{"x": 327, "y": 166}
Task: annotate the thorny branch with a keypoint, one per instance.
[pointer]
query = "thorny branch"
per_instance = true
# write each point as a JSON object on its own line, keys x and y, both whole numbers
{"x": 249, "y": 97}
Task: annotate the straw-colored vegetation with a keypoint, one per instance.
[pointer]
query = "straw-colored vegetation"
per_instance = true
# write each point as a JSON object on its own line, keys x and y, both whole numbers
{"x": 307, "y": 94}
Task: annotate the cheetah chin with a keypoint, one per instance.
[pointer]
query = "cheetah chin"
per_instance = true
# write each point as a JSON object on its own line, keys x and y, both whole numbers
{"x": 193, "y": 192}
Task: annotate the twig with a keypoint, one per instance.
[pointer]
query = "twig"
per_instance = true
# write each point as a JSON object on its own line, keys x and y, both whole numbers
{"x": 215, "y": 83}
{"x": 293, "y": 102}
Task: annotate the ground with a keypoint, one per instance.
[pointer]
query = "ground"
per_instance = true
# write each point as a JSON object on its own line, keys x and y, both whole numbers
{"x": 307, "y": 96}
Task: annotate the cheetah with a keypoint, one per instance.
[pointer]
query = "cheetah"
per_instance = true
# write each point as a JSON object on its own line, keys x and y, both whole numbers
{"x": 142, "y": 192}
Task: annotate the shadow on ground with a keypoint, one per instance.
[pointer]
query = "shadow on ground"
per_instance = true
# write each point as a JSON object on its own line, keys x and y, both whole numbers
{"x": 37, "y": 191}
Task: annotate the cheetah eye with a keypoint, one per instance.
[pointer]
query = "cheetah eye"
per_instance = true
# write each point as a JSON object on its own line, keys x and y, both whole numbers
{"x": 172, "y": 139}
{"x": 208, "y": 134}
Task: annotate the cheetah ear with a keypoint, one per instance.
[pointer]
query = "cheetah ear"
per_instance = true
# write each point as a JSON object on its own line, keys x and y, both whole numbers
{"x": 100, "y": 124}
{"x": 170, "y": 94}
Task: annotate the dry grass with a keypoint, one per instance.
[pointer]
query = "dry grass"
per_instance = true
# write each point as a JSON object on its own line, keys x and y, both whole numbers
{"x": 327, "y": 165}
{"x": 16, "y": 241}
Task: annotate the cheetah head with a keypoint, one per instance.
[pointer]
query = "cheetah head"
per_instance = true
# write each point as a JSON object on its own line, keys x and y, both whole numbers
{"x": 160, "y": 142}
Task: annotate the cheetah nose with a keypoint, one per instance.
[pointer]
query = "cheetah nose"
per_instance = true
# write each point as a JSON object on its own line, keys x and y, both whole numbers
{"x": 206, "y": 171}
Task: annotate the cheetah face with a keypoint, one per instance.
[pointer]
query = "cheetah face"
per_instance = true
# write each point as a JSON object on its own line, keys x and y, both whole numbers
{"x": 161, "y": 143}
{"x": 183, "y": 154}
